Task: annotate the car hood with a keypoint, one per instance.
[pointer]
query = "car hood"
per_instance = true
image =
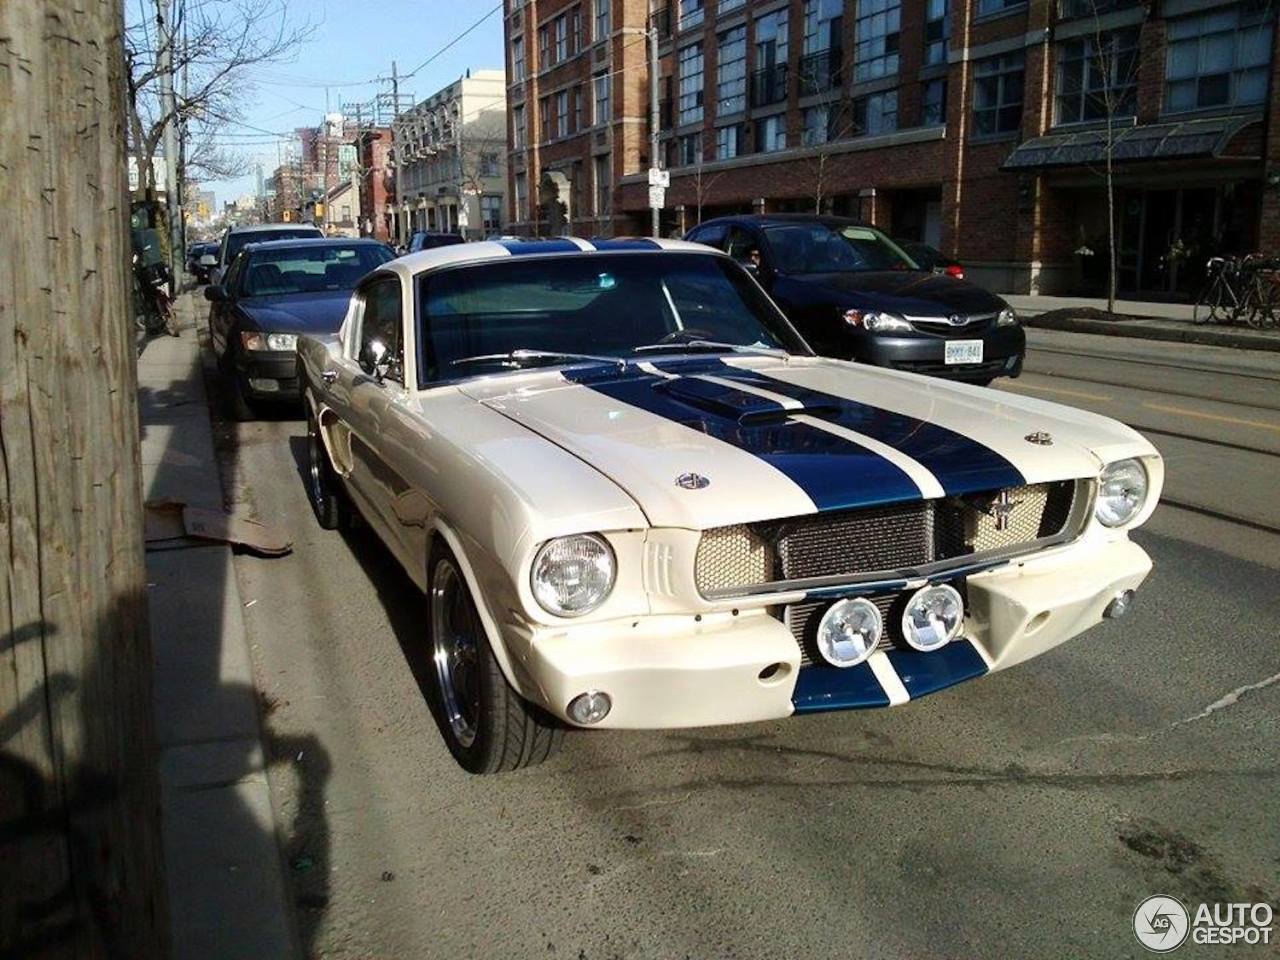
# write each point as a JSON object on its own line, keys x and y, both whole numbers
{"x": 907, "y": 292}
{"x": 305, "y": 313}
{"x": 704, "y": 442}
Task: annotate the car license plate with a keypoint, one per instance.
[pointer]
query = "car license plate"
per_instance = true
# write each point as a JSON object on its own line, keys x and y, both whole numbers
{"x": 963, "y": 351}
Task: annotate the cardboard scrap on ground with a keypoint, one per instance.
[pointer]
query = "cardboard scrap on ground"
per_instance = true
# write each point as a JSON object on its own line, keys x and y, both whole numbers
{"x": 174, "y": 520}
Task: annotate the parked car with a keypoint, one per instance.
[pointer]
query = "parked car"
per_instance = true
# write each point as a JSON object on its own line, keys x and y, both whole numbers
{"x": 274, "y": 292}
{"x": 234, "y": 239}
{"x": 931, "y": 258}
{"x": 201, "y": 259}
{"x": 854, "y": 294}
{"x": 635, "y": 498}
{"x": 425, "y": 240}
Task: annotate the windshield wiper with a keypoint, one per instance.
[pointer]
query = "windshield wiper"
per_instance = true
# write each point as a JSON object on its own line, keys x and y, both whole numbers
{"x": 532, "y": 358}
{"x": 712, "y": 345}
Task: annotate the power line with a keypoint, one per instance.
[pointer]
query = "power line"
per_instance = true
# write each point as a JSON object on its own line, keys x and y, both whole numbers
{"x": 455, "y": 40}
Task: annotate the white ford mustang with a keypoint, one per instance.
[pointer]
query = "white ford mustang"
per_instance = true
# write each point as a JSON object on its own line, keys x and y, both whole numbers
{"x": 634, "y": 498}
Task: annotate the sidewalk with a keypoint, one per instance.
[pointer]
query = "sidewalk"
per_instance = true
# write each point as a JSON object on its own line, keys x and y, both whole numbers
{"x": 227, "y": 895}
{"x": 1146, "y": 321}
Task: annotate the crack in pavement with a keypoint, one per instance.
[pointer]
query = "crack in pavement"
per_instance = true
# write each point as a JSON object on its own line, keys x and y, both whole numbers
{"x": 1230, "y": 699}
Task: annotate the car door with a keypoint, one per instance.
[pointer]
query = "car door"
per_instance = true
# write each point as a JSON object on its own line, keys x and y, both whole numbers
{"x": 374, "y": 389}
{"x": 222, "y": 312}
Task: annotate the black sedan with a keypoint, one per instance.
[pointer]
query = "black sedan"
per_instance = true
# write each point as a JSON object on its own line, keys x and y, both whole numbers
{"x": 273, "y": 292}
{"x": 854, "y": 294}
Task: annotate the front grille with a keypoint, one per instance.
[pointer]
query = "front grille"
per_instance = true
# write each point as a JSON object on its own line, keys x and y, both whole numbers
{"x": 855, "y": 544}
{"x": 988, "y": 368}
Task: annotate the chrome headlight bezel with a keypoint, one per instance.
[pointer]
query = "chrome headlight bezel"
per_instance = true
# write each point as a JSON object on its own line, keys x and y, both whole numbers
{"x": 1135, "y": 498}
{"x": 545, "y": 594}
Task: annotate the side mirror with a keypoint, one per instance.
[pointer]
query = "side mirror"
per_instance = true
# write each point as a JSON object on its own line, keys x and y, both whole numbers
{"x": 216, "y": 293}
{"x": 375, "y": 360}
{"x": 215, "y": 275}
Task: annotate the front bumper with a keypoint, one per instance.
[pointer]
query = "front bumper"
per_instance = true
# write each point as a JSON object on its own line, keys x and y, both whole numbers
{"x": 1002, "y": 351}
{"x": 269, "y": 375}
{"x": 727, "y": 668}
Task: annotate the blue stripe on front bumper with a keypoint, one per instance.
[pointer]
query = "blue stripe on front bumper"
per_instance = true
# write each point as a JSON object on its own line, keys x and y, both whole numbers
{"x": 821, "y": 687}
{"x": 923, "y": 673}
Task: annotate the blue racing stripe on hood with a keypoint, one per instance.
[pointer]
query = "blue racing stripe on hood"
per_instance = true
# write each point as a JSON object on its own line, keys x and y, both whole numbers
{"x": 521, "y": 247}
{"x": 626, "y": 243}
{"x": 961, "y": 464}
{"x": 835, "y": 473}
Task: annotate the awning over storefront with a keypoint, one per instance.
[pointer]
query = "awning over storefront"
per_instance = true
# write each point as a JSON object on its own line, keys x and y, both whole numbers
{"x": 1181, "y": 140}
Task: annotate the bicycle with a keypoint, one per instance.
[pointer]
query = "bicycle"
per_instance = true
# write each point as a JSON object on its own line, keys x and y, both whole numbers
{"x": 1245, "y": 289}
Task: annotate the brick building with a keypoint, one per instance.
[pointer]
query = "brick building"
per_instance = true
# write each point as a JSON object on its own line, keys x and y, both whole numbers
{"x": 373, "y": 145}
{"x": 980, "y": 126}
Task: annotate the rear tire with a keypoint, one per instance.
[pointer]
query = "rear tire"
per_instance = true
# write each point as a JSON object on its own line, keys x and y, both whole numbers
{"x": 487, "y": 726}
{"x": 324, "y": 489}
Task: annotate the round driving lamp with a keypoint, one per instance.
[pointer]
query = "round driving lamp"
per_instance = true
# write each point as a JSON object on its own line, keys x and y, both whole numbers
{"x": 573, "y": 575}
{"x": 1122, "y": 491}
{"x": 849, "y": 631}
{"x": 933, "y": 617}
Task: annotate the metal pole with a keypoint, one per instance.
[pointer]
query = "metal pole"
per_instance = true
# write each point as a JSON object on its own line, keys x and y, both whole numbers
{"x": 395, "y": 149}
{"x": 169, "y": 108}
{"x": 654, "y": 161}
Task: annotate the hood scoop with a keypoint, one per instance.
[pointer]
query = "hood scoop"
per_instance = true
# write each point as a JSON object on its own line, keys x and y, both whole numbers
{"x": 734, "y": 404}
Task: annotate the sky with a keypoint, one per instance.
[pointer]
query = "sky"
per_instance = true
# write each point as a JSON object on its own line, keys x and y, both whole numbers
{"x": 355, "y": 41}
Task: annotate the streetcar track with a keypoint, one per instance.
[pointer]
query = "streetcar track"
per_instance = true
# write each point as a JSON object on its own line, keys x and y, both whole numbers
{"x": 1218, "y": 515}
{"x": 1164, "y": 391}
{"x": 1243, "y": 447}
{"x": 1216, "y": 371}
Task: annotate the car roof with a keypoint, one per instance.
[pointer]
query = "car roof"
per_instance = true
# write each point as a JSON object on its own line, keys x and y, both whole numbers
{"x": 271, "y": 227}
{"x": 482, "y": 251}
{"x": 766, "y": 219}
{"x": 316, "y": 242}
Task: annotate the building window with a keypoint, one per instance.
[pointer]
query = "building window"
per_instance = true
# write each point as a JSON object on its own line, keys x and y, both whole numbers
{"x": 1218, "y": 59}
{"x": 998, "y": 6}
{"x": 690, "y": 83}
{"x": 488, "y": 164}
{"x": 771, "y": 134}
{"x": 604, "y": 185}
{"x": 544, "y": 119}
{"x": 937, "y": 29}
{"x": 604, "y": 16}
{"x": 771, "y": 39}
{"x": 579, "y": 98}
{"x": 601, "y": 111}
{"x": 822, "y": 19}
{"x": 997, "y": 94}
{"x": 544, "y": 47}
{"x": 933, "y": 109}
{"x": 522, "y": 196}
{"x": 875, "y": 51}
{"x": 1067, "y": 9}
{"x": 724, "y": 6}
{"x": 691, "y": 13}
{"x": 517, "y": 127}
{"x": 689, "y": 149}
{"x": 517, "y": 59}
{"x": 562, "y": 114}
{"x": 731, "y": 72}
{"x": 729, "y": 142}
{"x": 562, "y": 38}
{"x": 491, "y": 213}
{"x": 1095, "y": 80}
{"x": 877, "y": 113}
{"x": 820, "y": 125}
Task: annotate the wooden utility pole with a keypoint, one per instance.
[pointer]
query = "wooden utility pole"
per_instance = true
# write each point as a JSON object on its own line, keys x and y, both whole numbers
{"x": 80, "y": 860}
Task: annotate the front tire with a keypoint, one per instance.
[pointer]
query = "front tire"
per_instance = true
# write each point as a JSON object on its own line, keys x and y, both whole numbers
{"x": 324, "y": 490}
{"x": 237, "y": 404}
{"x": 487, "y": 726}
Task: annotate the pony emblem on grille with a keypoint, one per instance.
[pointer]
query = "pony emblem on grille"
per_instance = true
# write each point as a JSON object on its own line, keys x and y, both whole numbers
{"x": 692, "y": 481}
{"x": 1001, "y": 509}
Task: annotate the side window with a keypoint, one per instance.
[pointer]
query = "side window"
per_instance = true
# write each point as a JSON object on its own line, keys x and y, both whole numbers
{"x": 231, "y": 282}
{"x": 380, "y": 324}
{"x": 712, "y": 236}
{"x": 743, "y": 247}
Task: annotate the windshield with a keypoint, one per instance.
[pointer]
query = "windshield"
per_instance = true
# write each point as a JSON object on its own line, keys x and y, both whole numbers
{"x": 311, "y": 268}
{"x": 610, "y": 305}
{"x": 818, "y": 248}
{"x": 237, "y": 241}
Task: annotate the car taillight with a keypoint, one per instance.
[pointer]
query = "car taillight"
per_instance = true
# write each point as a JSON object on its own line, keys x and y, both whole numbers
{"x": 954, "y": 270}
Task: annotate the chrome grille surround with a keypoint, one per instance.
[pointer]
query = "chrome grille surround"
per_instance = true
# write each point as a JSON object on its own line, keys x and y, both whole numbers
{"x": 899, "y": 541}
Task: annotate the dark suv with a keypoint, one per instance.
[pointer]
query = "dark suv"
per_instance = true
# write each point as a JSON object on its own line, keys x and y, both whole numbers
{"x": 855, "y": 294}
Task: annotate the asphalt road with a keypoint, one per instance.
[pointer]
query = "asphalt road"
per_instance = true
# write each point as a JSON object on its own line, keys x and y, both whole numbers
{"x": 1022, "y": 815}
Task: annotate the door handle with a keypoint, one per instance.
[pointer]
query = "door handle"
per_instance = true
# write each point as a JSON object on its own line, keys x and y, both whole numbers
{"x": 328, "y": 376}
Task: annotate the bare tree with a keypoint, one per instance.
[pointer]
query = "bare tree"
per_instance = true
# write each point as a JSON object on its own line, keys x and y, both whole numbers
{"x": 480, "y": 145}
{"x": 815, "y": 168}
{"x": 214, "y": 46}
{"x": 702, "y": 184}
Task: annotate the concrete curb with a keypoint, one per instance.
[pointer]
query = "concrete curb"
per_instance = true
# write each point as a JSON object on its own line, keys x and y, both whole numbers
{"x": 1163, "y": 330}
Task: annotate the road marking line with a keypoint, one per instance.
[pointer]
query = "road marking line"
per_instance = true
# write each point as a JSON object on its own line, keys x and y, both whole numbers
{"x": 1211, "y": 416}
{"x": 1064, "y": 392}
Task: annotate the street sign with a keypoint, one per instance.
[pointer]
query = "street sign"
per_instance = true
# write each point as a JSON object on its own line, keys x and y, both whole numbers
{"x": 657, "y": 197}
{"x": 659, "y": 178}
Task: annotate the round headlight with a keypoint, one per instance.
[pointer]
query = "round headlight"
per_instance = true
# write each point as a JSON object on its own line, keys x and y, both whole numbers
{"x": 572, "y": 575}
{"x": 1006, "y": 317}
{"x": 933, "y": 617}
{"x": 849, "y": 631}
{"x": 1122, "y": 490}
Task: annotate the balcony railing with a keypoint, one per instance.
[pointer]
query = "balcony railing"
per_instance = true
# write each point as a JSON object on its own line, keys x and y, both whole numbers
{"x": 820, "y": 71}
{"x": 769, "y": 85}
